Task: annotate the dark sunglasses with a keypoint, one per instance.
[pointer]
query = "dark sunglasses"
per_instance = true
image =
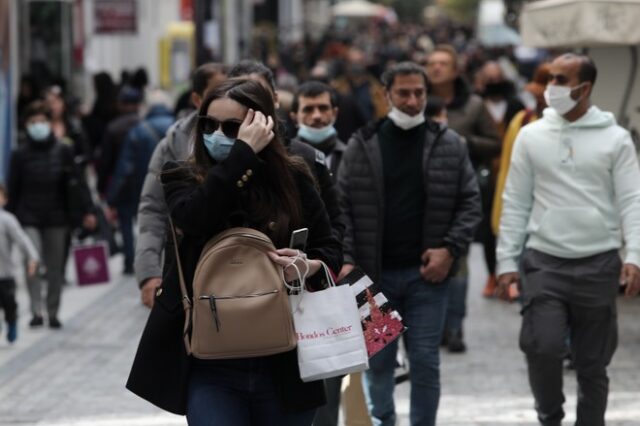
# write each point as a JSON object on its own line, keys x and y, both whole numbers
{"x": 208, "y": 125}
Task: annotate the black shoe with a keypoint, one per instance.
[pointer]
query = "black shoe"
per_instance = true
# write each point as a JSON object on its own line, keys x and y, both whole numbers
{"x": 444, "y": 342}
{"x": 455, "y": 343}
{"x": 36, "y": 321}
{"x": 128, "y": 270}
{"x": 54, "y": 322}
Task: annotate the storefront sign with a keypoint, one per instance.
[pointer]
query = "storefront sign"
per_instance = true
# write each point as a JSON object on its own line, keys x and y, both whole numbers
{"x": 115, "y": 16}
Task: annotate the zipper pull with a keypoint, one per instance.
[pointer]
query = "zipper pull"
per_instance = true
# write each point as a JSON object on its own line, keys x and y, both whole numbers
{"x": 214, "y": 311}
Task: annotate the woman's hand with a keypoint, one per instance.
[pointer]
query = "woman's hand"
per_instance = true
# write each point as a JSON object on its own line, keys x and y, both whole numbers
{"x": 256, "y": 130}
{"x": 286, "y": 257}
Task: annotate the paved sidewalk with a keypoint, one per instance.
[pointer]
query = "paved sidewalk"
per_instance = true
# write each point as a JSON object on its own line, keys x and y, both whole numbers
{"x": 76, "y": 376}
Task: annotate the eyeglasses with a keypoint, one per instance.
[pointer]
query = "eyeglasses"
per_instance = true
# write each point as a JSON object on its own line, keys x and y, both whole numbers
{"x": 208, "y": 125}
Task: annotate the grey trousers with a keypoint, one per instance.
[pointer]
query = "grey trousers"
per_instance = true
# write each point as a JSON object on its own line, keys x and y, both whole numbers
{"x": 51, "y": 245}
{"x": 570, "y": 305}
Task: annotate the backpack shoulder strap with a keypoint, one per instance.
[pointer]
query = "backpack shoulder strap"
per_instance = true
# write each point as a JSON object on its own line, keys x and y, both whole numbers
{"x": 186, "y": 302}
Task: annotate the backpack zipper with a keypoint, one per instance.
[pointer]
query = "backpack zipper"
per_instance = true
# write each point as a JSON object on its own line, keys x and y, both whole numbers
{"x": 214, "y": 308}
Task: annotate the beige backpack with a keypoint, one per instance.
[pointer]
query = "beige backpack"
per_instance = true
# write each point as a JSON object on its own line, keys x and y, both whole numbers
{"x": 240, "y": 307}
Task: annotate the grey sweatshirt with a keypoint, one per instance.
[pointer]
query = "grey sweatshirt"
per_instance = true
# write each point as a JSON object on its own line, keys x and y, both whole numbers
{"x": 11, "y": 234}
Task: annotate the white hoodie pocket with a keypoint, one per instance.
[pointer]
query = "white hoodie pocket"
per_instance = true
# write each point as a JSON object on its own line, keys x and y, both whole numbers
{"x": 575, "y": 230}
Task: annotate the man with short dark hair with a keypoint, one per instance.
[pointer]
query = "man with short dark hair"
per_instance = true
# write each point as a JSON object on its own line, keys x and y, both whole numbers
{"x": 314, "y": 110}
{"x": 411, "y": 201}
{"x": 571, "y": 200}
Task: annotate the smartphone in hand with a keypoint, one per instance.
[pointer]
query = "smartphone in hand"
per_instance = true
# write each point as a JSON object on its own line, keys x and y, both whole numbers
{"x": 298, "y": 239}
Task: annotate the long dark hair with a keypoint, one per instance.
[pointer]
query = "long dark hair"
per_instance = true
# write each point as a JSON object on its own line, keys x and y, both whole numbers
{"x": 274, "y": 203}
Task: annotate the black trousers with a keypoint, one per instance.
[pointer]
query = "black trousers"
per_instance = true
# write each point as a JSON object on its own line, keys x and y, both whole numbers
{"x": 8, "y": 299}
{"x": 570, "y": 305}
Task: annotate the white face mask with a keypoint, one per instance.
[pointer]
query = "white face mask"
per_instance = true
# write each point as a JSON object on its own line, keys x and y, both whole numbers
{"x": 406, "y": 121}
{"x": 559, "y": 98}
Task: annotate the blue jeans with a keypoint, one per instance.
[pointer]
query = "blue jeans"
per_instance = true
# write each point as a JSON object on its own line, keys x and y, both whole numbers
{"x": 423, "y": 307}
{"x": 240, "y": 392}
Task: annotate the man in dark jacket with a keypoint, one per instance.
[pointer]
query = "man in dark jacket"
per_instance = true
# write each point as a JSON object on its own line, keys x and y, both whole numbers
{"x": 411, "y": 203}
{"x": 468, "y": 116}
{"x": 314, "y": 110}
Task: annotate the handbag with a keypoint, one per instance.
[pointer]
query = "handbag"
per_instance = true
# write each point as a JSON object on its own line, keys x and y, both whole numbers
{"x": 239, "y": 307}
{"x": 330, "y": 338}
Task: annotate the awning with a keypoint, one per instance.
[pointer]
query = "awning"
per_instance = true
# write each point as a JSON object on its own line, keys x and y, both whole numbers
{"x": 588, "y": 23}
{"x": 364, "y": 9}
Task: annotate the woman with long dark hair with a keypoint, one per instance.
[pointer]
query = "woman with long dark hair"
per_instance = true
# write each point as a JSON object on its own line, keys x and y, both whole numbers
{"x": 239, "y": 174}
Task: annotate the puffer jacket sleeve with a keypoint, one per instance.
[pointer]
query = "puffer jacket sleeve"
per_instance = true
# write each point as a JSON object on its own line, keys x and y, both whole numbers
{"x": 152, "y": 217}
{"x": 345, "y": 197}
{"x": 468, "y": 210}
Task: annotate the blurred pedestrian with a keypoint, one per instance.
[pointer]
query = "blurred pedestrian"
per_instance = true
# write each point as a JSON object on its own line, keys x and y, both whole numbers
{"x": 239, "y": 174}
{"x": 152, "y": 209}
{"x": 436, "y": 110}
{"x": 66, "y": 128}
{"x": 468, "y": 116}
{"x": 125, "y": 186}
{"x": 364, "y": 88}
{"x": 48, "y": 196}
{"x": 499, "y": 96}
{"x": 536, "y": 88}
{"x": 129, "y": 103}
{"x": 571, "y": 200}
{"x": 28, "y": 91}
{"x": 14, "y": 236}
{"x": 105, "y": 109}
{"x": 411, "y": 202}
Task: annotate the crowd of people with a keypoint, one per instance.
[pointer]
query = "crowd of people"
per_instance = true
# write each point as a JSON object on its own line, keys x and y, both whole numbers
{"x": 396, "y": 152}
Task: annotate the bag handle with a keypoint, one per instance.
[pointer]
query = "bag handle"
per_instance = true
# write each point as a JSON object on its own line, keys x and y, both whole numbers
{"x": 186, "y": 302}
{"x": 302, "y": 278}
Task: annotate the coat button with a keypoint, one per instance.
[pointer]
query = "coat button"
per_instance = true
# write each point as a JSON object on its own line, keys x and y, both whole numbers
{"x": 240, "y": 184}
{"x": 245, "y": 178}
{"x": 158, "y": 291}
{"x": 249, "y": 172}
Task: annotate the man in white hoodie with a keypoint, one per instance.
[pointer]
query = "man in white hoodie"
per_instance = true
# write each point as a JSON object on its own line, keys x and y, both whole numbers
{"x": 571, "y": 199}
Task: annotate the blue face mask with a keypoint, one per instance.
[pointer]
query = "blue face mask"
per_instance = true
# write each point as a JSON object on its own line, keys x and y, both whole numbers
{"x": 218, "y": 145}
{"x": 315, "y": 136}
{"x": 39, "y": 131}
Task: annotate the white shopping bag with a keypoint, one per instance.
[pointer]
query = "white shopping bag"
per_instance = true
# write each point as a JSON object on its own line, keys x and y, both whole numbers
{"x": 330, "y": 338}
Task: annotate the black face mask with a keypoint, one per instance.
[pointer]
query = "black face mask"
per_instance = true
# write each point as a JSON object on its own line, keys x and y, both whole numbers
{"x": 500, "y": 89}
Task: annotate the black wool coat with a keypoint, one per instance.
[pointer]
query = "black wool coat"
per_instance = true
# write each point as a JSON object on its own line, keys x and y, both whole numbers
{"x": 160, "y": 371}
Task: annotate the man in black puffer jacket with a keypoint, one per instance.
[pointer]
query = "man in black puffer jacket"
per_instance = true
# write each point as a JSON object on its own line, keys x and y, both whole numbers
{"x": 411, "y": 204}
